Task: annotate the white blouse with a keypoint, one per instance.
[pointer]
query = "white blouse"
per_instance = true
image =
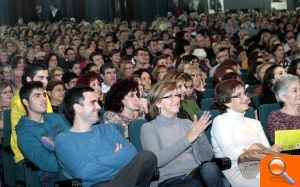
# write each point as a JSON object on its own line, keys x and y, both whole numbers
{"x": 232, "y": 133}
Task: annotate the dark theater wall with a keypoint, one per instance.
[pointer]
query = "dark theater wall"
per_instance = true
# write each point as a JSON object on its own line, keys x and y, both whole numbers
{"x": 11, "y": 10}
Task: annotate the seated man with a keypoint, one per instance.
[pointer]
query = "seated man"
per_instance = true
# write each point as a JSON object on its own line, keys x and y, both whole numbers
{"x": 98, "y": 153}
{"x": 32, "y": 73}
{"x": 36, "y": 131}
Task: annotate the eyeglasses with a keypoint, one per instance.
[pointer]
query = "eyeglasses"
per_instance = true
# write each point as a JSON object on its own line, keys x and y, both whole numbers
{"x": 57, "y": 75}
{"x": 195, "y": 75}
{"x": 171, "y": 96}
{"x": 240, "y": 95}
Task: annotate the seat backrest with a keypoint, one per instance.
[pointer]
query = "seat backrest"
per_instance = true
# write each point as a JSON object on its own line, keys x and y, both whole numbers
{"x": 256, "y": 100}
{"x": 263, "y": 115}
{"x": 209, "y": 93}
{"x": 119, "y": 127}
{"x": 134, "y": 131}
{"x": 101, "y": 115}
{"x": 251, "y": 88}
{"x": 208, "y": 86}
{"x": 209, "y": 80}
{"x": 9, "y": 167}
{"x": 6, "y": 127}
{"x": 244, "y": 77}
{"x": 206, "y": 103}
{"x": 213, "y": 113}
{"x": 250, "y": 113}
{"x": 32, "y": 173}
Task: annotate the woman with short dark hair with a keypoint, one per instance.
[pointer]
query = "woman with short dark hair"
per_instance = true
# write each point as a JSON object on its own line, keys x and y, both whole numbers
{"x": 233, "y": 134}
{"x": 93, "y": 80}
{"x": 56, "y": 93}
{"x": 122, "y": 103}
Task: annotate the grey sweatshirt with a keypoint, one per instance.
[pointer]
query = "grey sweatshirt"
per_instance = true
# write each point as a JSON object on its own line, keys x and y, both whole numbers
{"x": 176, "y": 156}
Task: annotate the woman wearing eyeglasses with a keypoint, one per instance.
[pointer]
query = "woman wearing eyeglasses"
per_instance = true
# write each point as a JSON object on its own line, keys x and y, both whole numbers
{"x": 233, "y": 133}
{"x": 179, "y": 144}
{"x": 56, "y": 93}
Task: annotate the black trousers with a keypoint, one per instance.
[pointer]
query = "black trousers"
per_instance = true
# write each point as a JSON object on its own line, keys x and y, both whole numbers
{"x": 138, "y": 172}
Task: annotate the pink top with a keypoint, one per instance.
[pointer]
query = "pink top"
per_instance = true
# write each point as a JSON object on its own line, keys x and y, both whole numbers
{"x": 281, "y": 121}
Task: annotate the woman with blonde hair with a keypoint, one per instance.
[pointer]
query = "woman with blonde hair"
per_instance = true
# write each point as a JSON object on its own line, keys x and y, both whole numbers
{"x": 126, "y": 69}
{"x": 159, "y": 72}
{"x": 6, "y": 94}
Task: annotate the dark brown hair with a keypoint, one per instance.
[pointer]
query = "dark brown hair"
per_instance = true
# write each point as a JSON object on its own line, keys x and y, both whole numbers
{"x": 224, "y": 91}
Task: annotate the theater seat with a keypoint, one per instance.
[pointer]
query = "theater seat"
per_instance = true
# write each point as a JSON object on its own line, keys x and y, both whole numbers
{"x": 134, "y": 131}
{"x": 206, "y": 103}
{"x": 9, "y": 166}
{"x": 263, "y": 115}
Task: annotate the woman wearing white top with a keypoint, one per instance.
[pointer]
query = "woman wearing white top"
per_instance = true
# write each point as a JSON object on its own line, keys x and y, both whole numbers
{"x": 232, "y": 133}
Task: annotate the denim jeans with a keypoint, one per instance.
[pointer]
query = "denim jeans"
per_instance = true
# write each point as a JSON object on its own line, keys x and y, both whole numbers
{"x": 208, "y": 175}
{"x": 138, "y": 172}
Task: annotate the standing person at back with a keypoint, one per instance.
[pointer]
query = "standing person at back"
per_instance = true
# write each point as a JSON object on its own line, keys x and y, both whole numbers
{"x": 32, "y": 73}
{"x": 54, "y": 15}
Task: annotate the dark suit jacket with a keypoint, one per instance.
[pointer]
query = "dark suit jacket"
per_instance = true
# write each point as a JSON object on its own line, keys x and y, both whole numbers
{"x": 58, "y": 16}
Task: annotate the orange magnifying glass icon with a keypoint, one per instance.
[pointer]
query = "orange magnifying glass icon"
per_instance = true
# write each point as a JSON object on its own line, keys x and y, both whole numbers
{"x": 277, "y": 167}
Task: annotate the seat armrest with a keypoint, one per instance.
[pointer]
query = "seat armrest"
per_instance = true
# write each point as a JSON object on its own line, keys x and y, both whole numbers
{"x": 31, "y": 165}
{"x": 68, "y": 183}
{"x": 155, "y": 176}
{"x": 8, "y": 149}
{"x": 292, "y": 152}
{"x": 223, "y": 163}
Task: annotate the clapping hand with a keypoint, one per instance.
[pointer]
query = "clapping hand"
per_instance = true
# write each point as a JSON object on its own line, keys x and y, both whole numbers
{"x": 198, "y": 126}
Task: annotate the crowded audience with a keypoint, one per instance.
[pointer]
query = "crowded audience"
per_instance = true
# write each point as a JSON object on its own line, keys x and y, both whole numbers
{"x": 159, "y": 72}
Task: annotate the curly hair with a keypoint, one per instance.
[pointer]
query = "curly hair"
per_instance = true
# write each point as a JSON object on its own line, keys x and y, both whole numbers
{"x": 113, "y": 99}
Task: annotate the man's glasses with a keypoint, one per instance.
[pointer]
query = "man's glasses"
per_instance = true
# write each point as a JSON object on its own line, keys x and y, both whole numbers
{"x": 240, "y": 95}
{"x": 171, "y": 96}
